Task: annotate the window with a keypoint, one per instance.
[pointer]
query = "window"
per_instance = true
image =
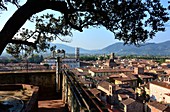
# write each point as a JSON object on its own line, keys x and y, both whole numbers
{"x": 166, "y": 79}
{"x": 110, "y": 89}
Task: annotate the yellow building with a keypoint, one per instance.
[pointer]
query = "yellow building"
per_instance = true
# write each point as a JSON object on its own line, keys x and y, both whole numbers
{"x": 129, "y": 80}
{"x": 102, "y": 72}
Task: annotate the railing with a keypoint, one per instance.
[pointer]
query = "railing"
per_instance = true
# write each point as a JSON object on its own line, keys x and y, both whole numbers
{"x": 77, "y": 96}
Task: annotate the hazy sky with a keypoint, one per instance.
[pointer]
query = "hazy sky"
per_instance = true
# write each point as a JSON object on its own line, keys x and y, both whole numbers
{"x": 91, "y": 38}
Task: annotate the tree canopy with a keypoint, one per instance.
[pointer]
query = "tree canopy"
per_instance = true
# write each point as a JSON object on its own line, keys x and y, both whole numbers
{"x": 133, "y": 21}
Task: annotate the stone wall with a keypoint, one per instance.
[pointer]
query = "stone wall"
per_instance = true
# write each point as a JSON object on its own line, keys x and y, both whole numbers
{"x": 45, "y": 80}
{"x": 29, "y": 101}
{"x": 32, "y": 105}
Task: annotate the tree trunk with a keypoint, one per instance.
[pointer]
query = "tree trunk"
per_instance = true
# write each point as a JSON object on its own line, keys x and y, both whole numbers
{"x": 18, "y": 19}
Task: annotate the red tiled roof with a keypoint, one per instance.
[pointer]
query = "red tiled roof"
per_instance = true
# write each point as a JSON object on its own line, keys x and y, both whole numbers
{"x": 161, "y": 84}
{"x": 114, "y": 76}
{"x": 98, "y": 78}
{"x": 145, "y": 76}
{"x": 85, "y": 81}
{"x": 163, "y": 74}
{"x": 159, "y": 70}
{"x": 168, "y": 94}
{"x": 130, "y": 90}
{"x": 128, "y": 78}
{"x": 123, "y": 96}
{"x": 128, "y": 101}
{"x": 105, "y": 84}
{"x": 157, "y": 105}
{"x": 95, "y": 91}
{"x": 110, "y": 70}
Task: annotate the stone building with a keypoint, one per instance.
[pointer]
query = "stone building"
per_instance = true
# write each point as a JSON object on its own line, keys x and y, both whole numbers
{"x": 111, "y": 63}
{"x": 160, "y": 91}
{"x": 156, "y": 107}
{"x": 130, "y": 105}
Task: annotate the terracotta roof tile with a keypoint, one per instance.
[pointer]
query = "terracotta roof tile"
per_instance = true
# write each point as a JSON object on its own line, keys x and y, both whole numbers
{"x": 158, "y": 70}
{"x": 105, "y": 84}
{"x": 158, "y": 105}
{"x": 168, "y": 94}
{"x": 163, "y": 75}
{"x": 110, "y": 70}
{"x": 130, "y": 90}
{"x": 123, "y": 96}
{"x": 128, "y": 78}
{"x": 86, "y": 82}
{"x": 145, "y": 76}
{"x": 114, "y": 76}
{"x": 128, "y": 101}
{"x": 98, "y": 78}
{"x": 95, "y": 91}
{"x": 161, "y": 84}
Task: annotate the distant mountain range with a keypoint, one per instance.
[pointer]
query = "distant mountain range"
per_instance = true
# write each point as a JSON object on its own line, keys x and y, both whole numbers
{"x": 71, "y": 50}
{"x": 121, "y": 49}
{"x": 144, "y": 49}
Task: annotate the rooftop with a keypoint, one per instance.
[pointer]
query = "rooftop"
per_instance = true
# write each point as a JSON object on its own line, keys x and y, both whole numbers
{"x": 145, "y": 76}
{"x": 123, "y": 96}
{"x": 104, "y": 84}
{"x": 114, "y": 76}
{"x": 110, "y": 70}
{"x": 95, "y": 91}
{"x": 128, "y": 78}
{"x": 161, "y": 84}
{"x": 128, "y": 101}
{"x": 157, "y": 105}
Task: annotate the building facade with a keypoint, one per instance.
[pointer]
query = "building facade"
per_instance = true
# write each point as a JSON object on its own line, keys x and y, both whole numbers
{"x": 160, "y": 91}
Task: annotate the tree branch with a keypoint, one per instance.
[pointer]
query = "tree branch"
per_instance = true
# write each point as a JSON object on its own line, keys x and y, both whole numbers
{"x": 63, "y": 39}
{"x": 71, "y": 24}
{"x": 29, "y": 36}
{"x": 69, "y": 3}
{"x": 23, "y": 42}
{"x": 38, "y": 38}
{"x": 25, "y": 12}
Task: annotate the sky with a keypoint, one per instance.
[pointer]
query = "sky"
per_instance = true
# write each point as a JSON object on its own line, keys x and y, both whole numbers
{"x": 92, "y": 38}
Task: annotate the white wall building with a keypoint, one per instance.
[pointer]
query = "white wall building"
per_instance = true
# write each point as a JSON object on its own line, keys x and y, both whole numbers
{"x": 69, "y": 62}
{"x": 160, "y": 91}
{"x": 49, "y": 61}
